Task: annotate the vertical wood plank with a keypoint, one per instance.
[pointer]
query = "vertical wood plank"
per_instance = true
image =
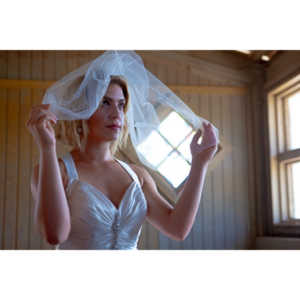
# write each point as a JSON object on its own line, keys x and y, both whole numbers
{"x": 236, "y": 171}
{"x": 9, "y": 229}
{"x": 208, "y": 202}
{"x": 23, "y": 213}
{"x": 258, "y": 161}
{"x": 3, "y": 64}
{"x": 3, "y": 164}
{"x": 12, "y": 65}
{"x": 12, "y": 169}
{"x": 49, "y": 63}
{"x": 83, "y": 59}
{"x": 217, "y": 180}
{"x": 250, "y": 160}
{"x": 72, "y": 63}
{"x": 230, "y": 227}
{"x": 60, "y": 65}
{"x": 238, "y": 157}
{"x": 242, "y": 188}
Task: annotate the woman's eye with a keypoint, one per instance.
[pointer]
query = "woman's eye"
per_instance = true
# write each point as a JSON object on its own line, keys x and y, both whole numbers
{"x": 105, "y": 102}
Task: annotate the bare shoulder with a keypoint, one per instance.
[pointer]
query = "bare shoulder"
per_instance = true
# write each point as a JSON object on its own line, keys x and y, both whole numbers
{"x": 139, "y": 172}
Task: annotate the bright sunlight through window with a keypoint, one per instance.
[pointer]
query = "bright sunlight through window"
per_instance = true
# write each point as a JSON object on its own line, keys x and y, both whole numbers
{"x": 294, "y": 113}
{"x": 168, "y": 149}
{"x": 296, "y": 189}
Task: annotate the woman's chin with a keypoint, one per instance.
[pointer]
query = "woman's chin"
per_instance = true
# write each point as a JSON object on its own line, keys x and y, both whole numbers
{"x": 105, "y": 139}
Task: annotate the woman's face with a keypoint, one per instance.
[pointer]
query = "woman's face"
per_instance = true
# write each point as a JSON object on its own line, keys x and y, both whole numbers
{"x": 107, "y": 121}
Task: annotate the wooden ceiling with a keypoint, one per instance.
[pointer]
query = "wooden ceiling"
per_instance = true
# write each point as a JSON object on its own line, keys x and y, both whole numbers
{"x": 259, "y": 55}
{"x": 239, "y": 57}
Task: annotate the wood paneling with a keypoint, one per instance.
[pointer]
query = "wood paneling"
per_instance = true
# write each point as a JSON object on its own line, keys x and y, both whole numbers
{"x": 226, "y": 209}
{"x": 224, "y": 214}
{"x": 3, "y": 164}
{"x": 12, "y": 169}
{"x": 228, "y": 179}
{"x": 217, "y": 181}
{"x": 23, "y": 212}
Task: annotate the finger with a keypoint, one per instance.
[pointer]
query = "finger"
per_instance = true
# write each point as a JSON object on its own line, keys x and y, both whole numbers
{"x": 209, "y": 128}
{"x": 42, "y": 121}
{"x": 40, "y": 112}
{"x": 196, "y": 137}
{"x": 42, "y": 107}
{"x": 206, "y": 125}
{"x": 43, "y": 118}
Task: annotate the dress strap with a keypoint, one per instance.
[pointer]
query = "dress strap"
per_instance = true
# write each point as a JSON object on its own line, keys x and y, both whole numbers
{"x": 129, "y": 170}
{"x": 70, "y": 167}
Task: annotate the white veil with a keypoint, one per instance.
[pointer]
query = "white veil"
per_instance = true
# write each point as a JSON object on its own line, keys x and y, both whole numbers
{"x": 78, "y": 94}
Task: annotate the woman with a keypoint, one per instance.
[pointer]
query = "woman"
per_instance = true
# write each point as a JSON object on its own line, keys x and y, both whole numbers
{"x": 90, "y": 200}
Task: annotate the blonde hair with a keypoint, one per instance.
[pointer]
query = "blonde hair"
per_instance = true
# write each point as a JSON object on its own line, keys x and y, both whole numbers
{"x": 74, "y": 133}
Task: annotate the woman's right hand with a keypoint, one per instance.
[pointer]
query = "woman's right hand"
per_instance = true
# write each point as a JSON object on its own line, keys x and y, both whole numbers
{"x": 40, "y": 124}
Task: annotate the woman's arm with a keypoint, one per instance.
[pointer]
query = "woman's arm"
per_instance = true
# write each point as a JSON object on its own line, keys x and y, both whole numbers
{"x": 176, "y": 222}
{"x": 51, "y": 206}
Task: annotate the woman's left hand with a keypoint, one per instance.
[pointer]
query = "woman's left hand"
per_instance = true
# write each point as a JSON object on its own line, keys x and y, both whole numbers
{"x": 205, "y": 151}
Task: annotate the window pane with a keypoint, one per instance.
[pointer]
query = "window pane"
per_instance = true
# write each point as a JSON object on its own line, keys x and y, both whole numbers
{"x": 294, "y": 113}
{"x": 175, "y": 169}
{"x": 174, "y": 128}
{"x": 154, "y": 148}
{"x": 296, "y": 188}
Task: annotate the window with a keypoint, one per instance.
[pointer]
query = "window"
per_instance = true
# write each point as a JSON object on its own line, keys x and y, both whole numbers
{"x": 284, "y": 126}
{"x": 168, "y": 151}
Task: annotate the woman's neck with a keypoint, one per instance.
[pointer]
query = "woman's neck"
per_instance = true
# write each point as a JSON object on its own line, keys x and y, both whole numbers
{"x": 94, "y": 153}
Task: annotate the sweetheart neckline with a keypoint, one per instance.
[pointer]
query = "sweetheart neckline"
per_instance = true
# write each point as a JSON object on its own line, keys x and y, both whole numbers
{"x": 106, "y": 197}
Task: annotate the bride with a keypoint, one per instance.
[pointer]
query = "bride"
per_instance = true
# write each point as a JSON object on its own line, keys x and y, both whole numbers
{"x": 91, "y": 200}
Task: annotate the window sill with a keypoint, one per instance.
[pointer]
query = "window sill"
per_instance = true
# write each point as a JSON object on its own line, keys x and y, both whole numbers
{"x": 287, "y": 229}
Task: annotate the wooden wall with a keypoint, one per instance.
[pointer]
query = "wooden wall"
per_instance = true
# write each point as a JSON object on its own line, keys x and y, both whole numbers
{"x": 226, "y": 218}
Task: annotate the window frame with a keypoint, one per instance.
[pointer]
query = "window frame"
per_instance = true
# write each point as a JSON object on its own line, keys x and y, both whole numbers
{"x": 281, "y": 157}
{"x": 163, "y": 114}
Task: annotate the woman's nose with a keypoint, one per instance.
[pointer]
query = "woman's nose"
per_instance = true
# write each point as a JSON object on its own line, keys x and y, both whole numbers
{"x": 115, "y": 111}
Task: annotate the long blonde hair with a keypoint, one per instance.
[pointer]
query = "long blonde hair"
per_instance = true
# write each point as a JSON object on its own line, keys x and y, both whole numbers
{"x": 74, "y": 133}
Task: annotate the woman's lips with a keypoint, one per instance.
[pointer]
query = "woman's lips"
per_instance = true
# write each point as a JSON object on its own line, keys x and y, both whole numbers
{"x": 114, "y": 127}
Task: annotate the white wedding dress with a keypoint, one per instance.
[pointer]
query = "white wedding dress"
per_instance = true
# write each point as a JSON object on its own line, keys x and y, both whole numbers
{"x": 95, "y": 221}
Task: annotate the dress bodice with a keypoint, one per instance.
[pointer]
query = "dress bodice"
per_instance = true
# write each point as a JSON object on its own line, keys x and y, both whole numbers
{"x": 96, "y": 223}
